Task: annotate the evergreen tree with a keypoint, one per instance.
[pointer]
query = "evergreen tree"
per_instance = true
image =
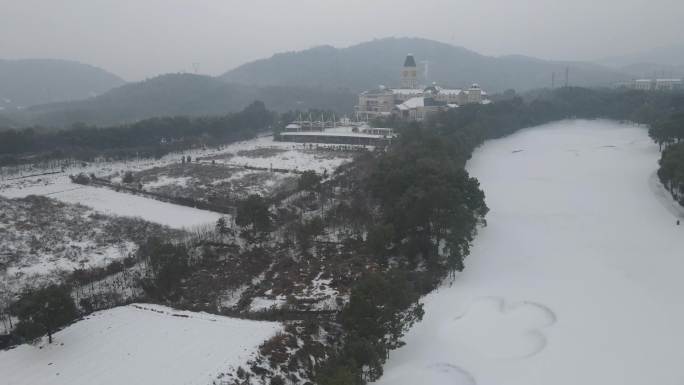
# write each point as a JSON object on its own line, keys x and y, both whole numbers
{"x": 43, "y": 311}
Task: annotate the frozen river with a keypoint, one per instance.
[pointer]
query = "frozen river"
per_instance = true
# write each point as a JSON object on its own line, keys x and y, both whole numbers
{"x": 577, "y": 279}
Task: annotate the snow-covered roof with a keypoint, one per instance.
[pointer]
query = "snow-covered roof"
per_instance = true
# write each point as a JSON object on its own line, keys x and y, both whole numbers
{"x": 378, "y": 91}
{"x": 293, "y": 126}
{"x": 445, "y": 91}
{"x": 407, "y": 91}
{"x": 412, "y": 103}
{"x": 333, "y": 134}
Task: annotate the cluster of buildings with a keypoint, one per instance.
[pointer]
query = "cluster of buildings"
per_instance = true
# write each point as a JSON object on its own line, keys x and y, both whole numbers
{"x": 654, "y": 84}
{"x": 412, "y": 101}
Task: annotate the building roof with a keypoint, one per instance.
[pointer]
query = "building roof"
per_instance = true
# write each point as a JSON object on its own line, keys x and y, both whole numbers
{"x": 412, "y": 103}
{"x": 345, "y": 132}
{"x": 406, "y": 91}
{"x": 445, "y": 91}
{"x": 410, "y": 61}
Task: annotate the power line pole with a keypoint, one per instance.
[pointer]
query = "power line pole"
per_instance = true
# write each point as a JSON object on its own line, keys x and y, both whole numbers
{"x": 426, "y": 71}
{"x": 553, "y": 80}
{"x": 567, "y": 76}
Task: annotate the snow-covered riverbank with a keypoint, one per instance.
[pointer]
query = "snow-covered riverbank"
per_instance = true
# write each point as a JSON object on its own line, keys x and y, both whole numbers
{"x": 576, "y": 279}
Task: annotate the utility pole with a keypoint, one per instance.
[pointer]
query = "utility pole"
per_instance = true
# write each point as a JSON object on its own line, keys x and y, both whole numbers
{"x": 567, "y": 76}
{"x": 553, "y": 80}
{"x": 426, "y": 71}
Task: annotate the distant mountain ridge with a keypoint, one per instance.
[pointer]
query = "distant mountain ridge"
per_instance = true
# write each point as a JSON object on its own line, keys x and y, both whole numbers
{"x": 659, "y": 62}
{"x": 378, "y": 62}
{"x": 672, "y": 55}
{"x": 179, "y": 95}
{"x": 324, "y": 77}
{"x": 28, "y": 82}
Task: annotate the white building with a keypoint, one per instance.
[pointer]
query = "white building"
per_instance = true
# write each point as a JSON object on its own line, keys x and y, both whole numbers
{"x": 411, "y": 101}
{"x": 654, "y": 84}
{"x": 668, "y": 84}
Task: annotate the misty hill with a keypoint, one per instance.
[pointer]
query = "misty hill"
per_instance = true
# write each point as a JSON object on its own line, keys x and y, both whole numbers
{"x": 378, "y": 62}
{"x": 29, "y": 82}
{"x": 666, "y": 56}
{"x": 663, "y": 62}
{"x": 180, "y": 95}
{"x": 653, "y": 70}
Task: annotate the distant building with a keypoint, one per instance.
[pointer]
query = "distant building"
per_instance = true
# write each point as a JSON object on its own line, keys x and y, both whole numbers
{"x": 654, "y": 84}
{"x": 409, "y": 75}
{"x": 411, "y": 101}
{"x": 346, "y": 135}
{"x": 668, "y": 84}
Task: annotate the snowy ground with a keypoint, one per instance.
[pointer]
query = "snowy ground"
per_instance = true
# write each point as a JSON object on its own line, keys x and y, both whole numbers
{"x": 138, "y": 344}
{"x": 575, "y": 280}
{"x": 118, "y": 203}
{"x": 259, "y": 152}
{"x": 290, "y": 156}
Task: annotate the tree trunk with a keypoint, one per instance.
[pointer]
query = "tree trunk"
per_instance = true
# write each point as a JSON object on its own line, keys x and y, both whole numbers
{"x": 49, "y": 336}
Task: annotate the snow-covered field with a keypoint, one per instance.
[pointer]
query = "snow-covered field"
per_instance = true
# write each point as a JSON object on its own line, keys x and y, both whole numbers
{"x": 289, "y": 156}
{"x": 575, "y": 280}
{"x": 293, "y": 156}
{"x": 138, "y": 344}
{"x": 118, "y": 203}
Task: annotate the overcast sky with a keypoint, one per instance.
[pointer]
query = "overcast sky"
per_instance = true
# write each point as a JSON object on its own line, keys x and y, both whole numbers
{"x": 142, "y": 38}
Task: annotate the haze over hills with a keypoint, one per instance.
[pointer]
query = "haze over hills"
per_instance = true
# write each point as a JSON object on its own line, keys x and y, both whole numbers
{"x": 378, "y": 62}
{"x": 664, "y": 62}
{"x": 323, "y": 77}
{"x": 29, "y": 82}
{"x": 666, "y": 55}
{"x": 179, "y": 94}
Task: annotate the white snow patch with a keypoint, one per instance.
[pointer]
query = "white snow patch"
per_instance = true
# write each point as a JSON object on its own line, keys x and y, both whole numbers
{"x": 266, "y": 303}
{"x": 138, "y": 344}
{"x": 118, "y": 203}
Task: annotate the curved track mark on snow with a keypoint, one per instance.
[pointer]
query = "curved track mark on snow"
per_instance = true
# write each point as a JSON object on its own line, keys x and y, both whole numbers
{"x": 460, "y": 375}
{"x": 504, "y": 330}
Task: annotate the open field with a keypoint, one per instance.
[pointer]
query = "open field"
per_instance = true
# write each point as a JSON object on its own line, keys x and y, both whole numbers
{"x": 138, "y": 344}
{"x": 227, "y": 178}
{"x": 40, "y": 238}
{"x": 209, "y": 182}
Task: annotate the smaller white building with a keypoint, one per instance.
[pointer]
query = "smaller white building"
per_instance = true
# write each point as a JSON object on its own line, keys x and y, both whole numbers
{"x": 669, "y": 84}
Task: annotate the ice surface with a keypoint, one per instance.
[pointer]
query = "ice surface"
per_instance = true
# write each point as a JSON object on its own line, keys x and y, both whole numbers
{"x": 575, "y": 280}
{"x": 138, "y": 344}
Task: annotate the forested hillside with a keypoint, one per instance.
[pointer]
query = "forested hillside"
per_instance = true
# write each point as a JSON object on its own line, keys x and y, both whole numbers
{"x": 28, "y": 82}
{"x": 377, "y": 62}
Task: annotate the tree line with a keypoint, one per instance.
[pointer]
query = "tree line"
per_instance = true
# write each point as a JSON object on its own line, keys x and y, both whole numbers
{"x": 150, "y": 137}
